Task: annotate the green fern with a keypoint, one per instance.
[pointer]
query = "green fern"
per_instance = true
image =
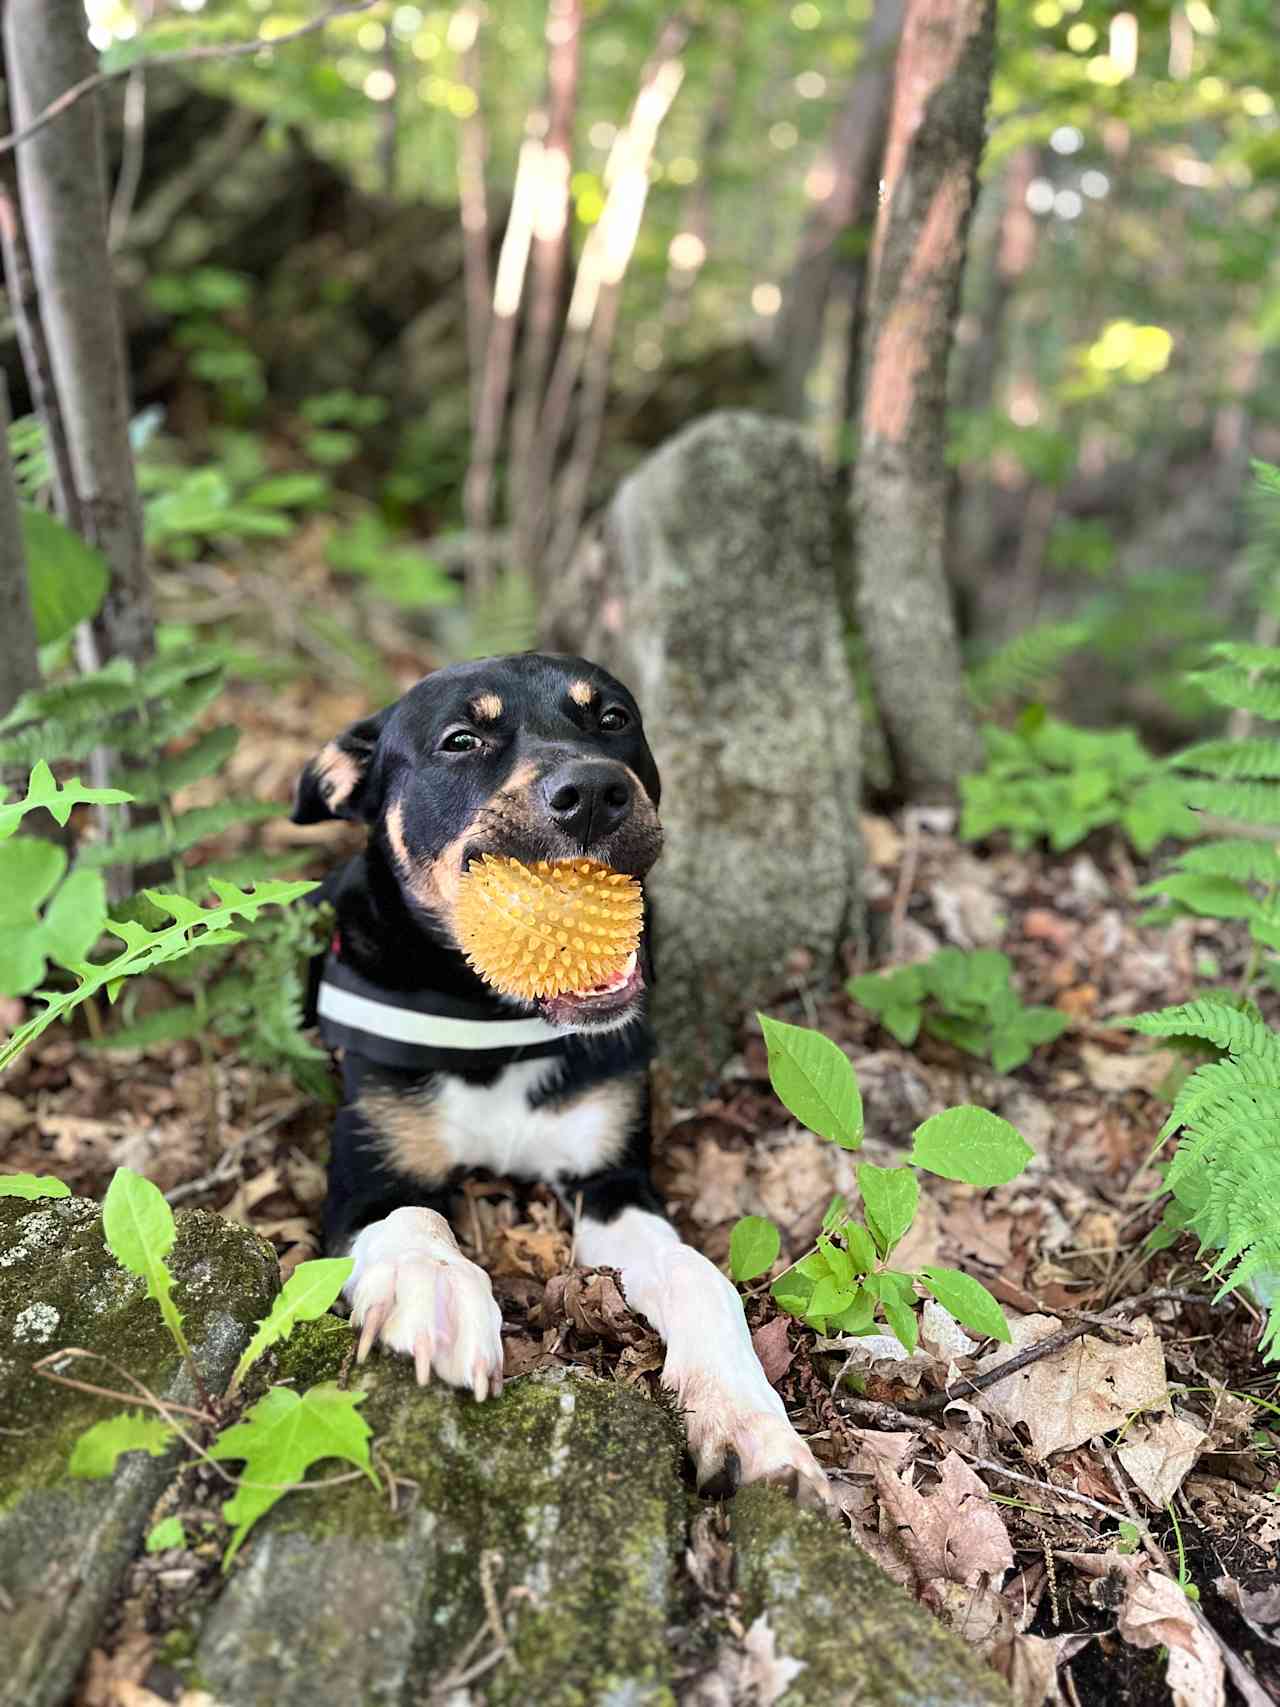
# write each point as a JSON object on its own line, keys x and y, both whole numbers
{"x": 1027, "y": 665}
{"x": 206, "y": 754}
{"x": 1224, "y": 1177}
{"x": 175, "y": 833}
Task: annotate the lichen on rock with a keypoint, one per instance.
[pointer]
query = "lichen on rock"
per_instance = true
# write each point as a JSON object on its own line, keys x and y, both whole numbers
{"x": 64, "y": 1543}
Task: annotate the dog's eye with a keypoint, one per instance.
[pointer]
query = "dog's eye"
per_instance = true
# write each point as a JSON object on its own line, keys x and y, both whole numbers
{"x": 460, "y": 741}
{"x": 613, "y": 719}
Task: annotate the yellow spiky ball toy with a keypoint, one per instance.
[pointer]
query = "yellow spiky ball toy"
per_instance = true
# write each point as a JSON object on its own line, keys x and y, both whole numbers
{"x": 545, "y": 929}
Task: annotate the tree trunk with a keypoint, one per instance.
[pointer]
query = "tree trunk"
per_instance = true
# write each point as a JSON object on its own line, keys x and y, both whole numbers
{"x": 19, "y": 665}
{"x": 900, "y": 483}
{"x": 841, "y": 185}
{"x": 62, "y": 184}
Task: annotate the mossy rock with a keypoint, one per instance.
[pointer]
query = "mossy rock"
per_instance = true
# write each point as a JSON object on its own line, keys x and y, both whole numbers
{"x": 64, "y": 1543}
{"x": 860, "y": 1637}
{"x": 560, "y": 1503}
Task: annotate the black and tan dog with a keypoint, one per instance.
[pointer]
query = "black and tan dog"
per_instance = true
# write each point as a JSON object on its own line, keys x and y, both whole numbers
{"x": 535, "y": 757}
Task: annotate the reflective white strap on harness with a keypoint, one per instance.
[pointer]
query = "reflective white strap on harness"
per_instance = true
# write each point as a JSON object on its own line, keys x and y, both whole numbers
{"x": 380, "y": 1019}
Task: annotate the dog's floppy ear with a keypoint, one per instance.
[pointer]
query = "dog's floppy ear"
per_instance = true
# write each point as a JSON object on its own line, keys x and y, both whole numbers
{"x": 337, "y": 782}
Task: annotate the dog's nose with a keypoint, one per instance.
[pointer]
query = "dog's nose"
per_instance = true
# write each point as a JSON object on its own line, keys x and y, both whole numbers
{"x": 587, "y": 800}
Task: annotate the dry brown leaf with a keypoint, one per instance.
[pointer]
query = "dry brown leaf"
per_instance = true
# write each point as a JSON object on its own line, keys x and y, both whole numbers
{"x": 1156, "y": 1614}
{"x": 593, "y": 1302}
{"x": 881, "y": 840}
{"x": 717, "y": 1184}
{"x": 1072, "y": 1395}
{"x": 1259, "y": 1607}
{"x": 773, "y": 1349}
{"x": 955, "y": 1533}
{"x": 1158, "y": 1452}
{"x": 250, "y": 1192}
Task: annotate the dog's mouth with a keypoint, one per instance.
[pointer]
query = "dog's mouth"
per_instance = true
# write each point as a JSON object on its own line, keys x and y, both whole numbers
{"x": 603, "y": 1006}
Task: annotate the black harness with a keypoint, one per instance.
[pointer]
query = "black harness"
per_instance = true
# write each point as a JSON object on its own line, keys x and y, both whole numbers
{"x": 422, "y": 1031}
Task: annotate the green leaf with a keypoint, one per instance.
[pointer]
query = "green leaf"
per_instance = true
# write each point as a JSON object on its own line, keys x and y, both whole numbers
{"x": 753, "y": 1248}
{"x": 862, "y": 1250}
{"x": 889, "y": 1199}
{"x": 139, "y": 1229}
{"x": 829, "y": 1298}
{"x": 68, "y": 578}
{"x": 968, "y": 1301}
{"x": 96, "y": 1450}
{"x": 903, "y": 1321}
{"x": 814, "y": 1081}
{"x": 44, "y": 791}
{"x": 792, "y": 1291}
{"x": 29, "y": 871}
{"x": 859, "y": 1316}
{"x": 167, "y": 1533}
{"x": 32, "y": 1186}
{"x": 280, "y": 1438}
{"x": 308, "y": 1293}
{"x": 970, "y": 1144}
{"x": 75, "y": 918}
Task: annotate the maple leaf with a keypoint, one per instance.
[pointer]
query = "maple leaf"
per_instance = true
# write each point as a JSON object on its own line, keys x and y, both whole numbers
{"x": 96, "y": 1450}
{"x": 279, "y": 1440}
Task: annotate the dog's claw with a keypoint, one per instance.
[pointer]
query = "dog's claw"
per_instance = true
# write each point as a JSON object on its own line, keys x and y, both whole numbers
{"x": 422, "y": 1358}
{"x": 371, "y": 1327}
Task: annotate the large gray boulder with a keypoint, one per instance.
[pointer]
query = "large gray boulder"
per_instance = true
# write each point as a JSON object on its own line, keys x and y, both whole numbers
{"x": 64, "y": 1544}
{"x": 713, "y": 596}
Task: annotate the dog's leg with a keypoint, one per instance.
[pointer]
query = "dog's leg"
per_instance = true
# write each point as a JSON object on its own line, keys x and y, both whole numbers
{"x": 411, "y": 1289}
{"x": 737, "y": 1425}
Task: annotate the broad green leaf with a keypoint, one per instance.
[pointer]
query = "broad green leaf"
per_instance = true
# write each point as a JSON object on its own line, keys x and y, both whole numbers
{"x": 903, "y": 1322}
{"x": 792, "y": 1291}
{"x": 139, "y": 1230}
{"x": 835, "y": 1213}
{"x": 96, "y": 1451}
{"x": 753, "y": 1248}
{"x": 829, "y": 1297}
{"x": 862, "y": 1250}
{"x": 75, "y": 918}
{"x": 32, "y": 1186}
{"x": 280, "y": 1438}
{"x": 970, "y": 1144}
{"x": 308, "y": 1293}
{"x": 29, "y": 872}
{"x": 839, "y": 1262}
{"x": 858, "y": 1318}
{"x": 814, "y": 1080}
{"x": 967, "y": 1299}
{"x": 68, "y": 578}
{"x": 889, "y": 1199}
{"x": 167, "y": 1533}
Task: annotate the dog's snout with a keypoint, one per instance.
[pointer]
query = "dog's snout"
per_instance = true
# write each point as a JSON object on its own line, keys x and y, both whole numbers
{"x": 588, "y": 800}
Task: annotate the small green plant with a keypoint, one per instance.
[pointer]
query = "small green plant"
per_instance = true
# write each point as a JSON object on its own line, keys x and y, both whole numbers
{"x": 1050, "y": 780}
{"x": 844, "y": 1282}
{"x": 964, "y": 998}
{"x": 281, "y": 1436}
{"x": 1028, "y": 664}
{"x": 1224, "y": 1176}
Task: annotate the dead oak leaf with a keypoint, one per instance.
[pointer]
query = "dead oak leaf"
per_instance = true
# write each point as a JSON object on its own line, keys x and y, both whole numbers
{"x": 1073, "y": 1395}
{"x": 773, "y": 1349}
{"x": 955, "y": 1533}
{"x": 1159, "y": 1451}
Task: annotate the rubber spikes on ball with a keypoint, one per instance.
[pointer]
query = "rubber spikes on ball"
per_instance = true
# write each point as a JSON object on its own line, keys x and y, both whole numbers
{"x": 544, "y": 929}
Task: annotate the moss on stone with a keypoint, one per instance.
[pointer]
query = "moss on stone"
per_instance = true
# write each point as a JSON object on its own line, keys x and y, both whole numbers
{"x": 860, "y": 1636}
{"x": 572, "y": 1482}
{"x": 64, "y": 1543}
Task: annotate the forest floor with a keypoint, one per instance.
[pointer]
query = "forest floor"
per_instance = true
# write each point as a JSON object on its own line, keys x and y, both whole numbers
{"x": 1150, "y": 1448}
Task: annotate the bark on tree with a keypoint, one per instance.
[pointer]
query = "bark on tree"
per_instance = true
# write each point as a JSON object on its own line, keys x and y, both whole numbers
{"x": 19, "y": 665}
{"x": 842, "y": 185}
{"x": 62, "y": 186}
{"x": 900, "y": 483}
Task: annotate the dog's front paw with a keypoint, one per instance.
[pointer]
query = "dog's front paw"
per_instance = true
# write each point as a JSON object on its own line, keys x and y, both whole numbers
{"x": 414, "y": 1292}
{"x": 734, "y": 1440}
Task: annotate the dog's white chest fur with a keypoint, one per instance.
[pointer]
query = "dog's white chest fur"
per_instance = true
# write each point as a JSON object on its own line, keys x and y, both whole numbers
{"x": 493, "y": 1126}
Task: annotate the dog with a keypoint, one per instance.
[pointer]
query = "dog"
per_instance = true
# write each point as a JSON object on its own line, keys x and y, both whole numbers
{"x": 536, "y": 757}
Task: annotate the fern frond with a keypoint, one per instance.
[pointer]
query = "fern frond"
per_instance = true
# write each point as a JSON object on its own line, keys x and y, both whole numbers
{"x": 1225, "y": 1027}
{"x": 1240, "y": 690}
{"x": 1247, "y": 802}
{"x": 1245, "y": 860}
{"x": 203, "y": 757}
{"x": 1023, "y": 667}
{"x": 158, "y": 841}
{"x": 1247, "y": 654}
{"x": 1257, "y": 757}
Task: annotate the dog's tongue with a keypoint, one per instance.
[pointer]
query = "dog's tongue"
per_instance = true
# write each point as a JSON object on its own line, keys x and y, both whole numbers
{"x": 619, "y": 978}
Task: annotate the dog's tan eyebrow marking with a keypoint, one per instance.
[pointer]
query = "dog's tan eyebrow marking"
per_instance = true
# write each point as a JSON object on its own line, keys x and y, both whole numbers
{"x": 581, "y": 693}
{"x": 485, "y": 708}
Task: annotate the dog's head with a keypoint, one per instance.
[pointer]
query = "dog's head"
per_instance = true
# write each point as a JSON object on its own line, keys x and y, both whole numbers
{"x": 531, "y": 756}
